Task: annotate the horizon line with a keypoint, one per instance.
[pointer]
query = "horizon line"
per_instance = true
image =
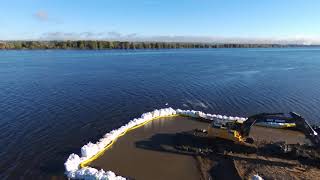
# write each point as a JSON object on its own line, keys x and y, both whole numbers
{"x": 159, "y": 41}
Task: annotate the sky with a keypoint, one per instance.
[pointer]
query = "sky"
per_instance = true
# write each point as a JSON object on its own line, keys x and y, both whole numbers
{"x": 279, "y": 21}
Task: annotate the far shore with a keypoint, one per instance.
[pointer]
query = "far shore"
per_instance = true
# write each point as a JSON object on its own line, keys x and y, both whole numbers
{"x": 105, "y": 45}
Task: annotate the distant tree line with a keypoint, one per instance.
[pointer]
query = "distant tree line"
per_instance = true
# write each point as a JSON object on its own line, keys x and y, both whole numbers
{"x": 95, "y": 45}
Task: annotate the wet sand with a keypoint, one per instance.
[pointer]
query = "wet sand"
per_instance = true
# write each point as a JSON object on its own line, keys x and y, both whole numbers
{"x": 144, "y": 153}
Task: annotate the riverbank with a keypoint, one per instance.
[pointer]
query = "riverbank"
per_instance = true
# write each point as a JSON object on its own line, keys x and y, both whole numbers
{"x": 227, "y": 160}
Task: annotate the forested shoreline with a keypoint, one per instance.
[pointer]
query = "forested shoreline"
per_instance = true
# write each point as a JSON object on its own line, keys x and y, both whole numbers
{"x": 96, "y": 45}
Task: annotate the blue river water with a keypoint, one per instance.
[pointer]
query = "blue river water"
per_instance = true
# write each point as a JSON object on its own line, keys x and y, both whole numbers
{"x": 54, "y": 101}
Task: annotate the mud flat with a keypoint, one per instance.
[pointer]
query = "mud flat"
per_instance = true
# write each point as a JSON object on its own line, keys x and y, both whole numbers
{"x": 148, "y": 152}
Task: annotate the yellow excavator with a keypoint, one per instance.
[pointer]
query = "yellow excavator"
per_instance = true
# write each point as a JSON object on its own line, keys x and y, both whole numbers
{"x": 239, "y": 131}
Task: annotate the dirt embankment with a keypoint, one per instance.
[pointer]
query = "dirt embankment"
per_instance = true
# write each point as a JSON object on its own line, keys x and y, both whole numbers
{"x": 221, "y": 159}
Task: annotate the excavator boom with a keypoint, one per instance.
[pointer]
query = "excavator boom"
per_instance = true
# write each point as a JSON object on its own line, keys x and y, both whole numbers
{"x": 301, "y": 124}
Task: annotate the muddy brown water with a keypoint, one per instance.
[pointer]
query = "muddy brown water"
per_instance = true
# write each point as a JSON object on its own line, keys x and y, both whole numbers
{"x": 145, "y": 153}
{"x": 140, "y": 155}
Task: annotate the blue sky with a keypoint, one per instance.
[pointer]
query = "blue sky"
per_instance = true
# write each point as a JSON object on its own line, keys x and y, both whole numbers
{"x": 163, "y": 19}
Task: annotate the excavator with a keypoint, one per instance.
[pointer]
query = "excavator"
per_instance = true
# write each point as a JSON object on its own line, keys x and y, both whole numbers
{"x": 240, "y": 131}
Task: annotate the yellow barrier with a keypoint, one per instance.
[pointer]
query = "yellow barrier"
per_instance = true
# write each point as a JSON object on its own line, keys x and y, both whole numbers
{"x": 84, "y": 163}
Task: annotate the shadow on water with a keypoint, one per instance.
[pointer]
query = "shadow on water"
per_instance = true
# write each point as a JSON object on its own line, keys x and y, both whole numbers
{"x": 218, "y": 151}
{"x": 186, "y": 143}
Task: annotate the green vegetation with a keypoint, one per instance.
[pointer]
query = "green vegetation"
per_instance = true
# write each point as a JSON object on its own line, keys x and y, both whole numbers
{"x": 95, "y": 45}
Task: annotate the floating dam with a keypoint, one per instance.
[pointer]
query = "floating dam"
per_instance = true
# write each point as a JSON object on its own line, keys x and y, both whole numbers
{"x": 76, "y": 166}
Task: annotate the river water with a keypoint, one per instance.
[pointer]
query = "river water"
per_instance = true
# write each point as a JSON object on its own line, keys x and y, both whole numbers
{"x": 52, "y": 102}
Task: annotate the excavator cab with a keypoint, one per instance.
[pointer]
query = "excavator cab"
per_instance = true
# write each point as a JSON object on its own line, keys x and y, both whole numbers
{"x": 228, "y": 130}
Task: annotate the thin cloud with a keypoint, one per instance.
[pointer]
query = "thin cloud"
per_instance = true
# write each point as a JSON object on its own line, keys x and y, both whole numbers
{"x": 117, "y": 36}
{"x": 41, "y": 16}
{"x": 114, "y": 34}
{"x": 60, "y": 36}
{"x": 91, "y": 35}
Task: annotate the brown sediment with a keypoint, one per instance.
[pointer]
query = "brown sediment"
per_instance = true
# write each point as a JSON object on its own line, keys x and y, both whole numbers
{"x": 229, "y": 160}
{"x": 273, "y": 168}
{"x": 171, "y": 148}
{"x": 148, "y": 152}
{"x": 272, "y": 135}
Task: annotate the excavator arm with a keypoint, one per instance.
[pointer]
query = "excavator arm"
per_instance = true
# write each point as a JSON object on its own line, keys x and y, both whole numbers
{"x": 262, "y": 117}
{"x": 301, "y": 124}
